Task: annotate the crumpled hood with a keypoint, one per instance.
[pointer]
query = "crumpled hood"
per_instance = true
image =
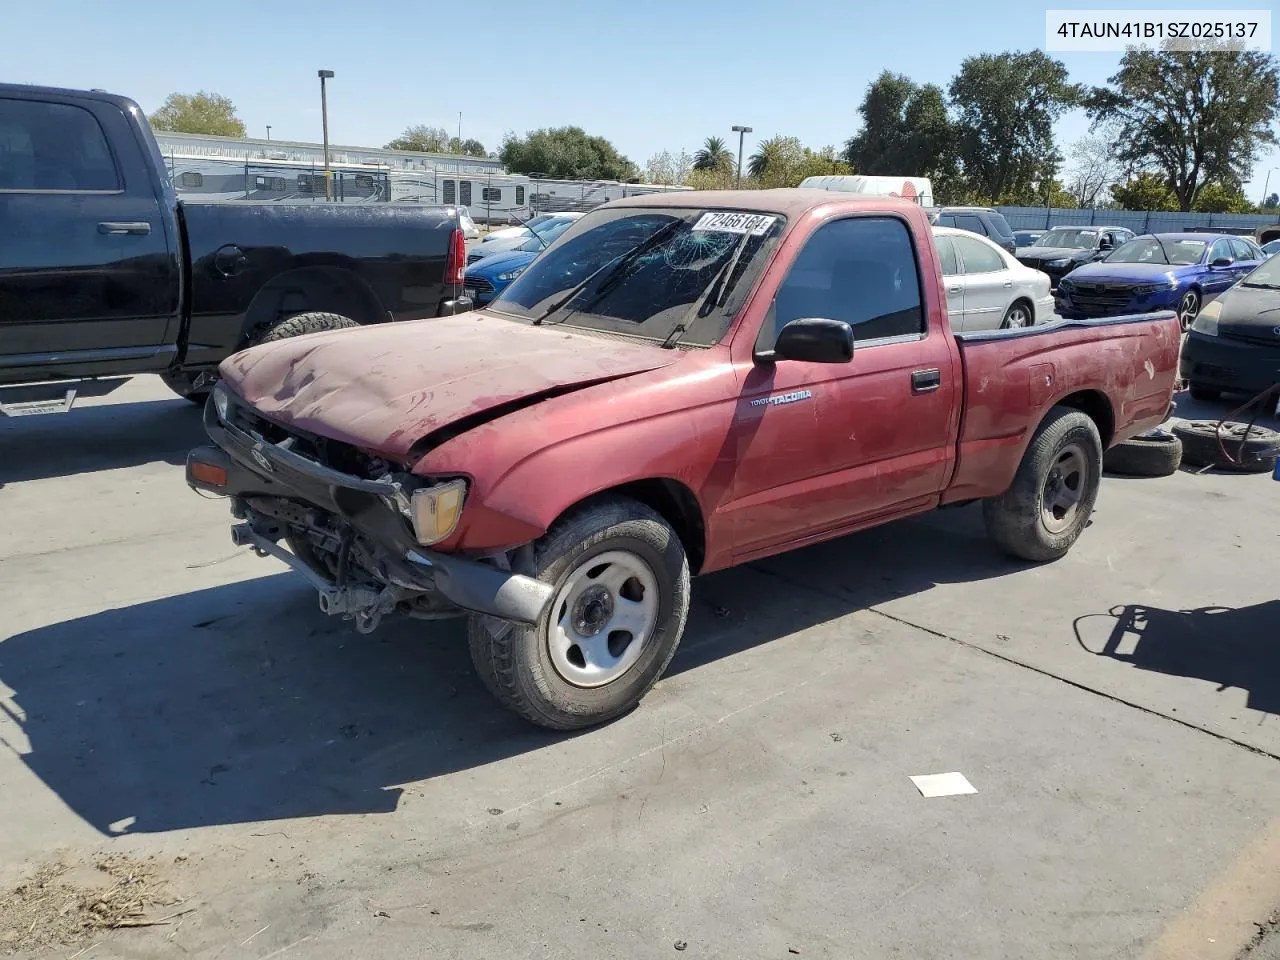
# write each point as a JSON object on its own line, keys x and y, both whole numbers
{"x": 385, "y": 387}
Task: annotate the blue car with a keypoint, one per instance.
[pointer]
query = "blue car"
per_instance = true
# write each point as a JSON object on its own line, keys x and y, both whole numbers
{"x": 1162, "y": 271}
{"x": 487, "y": 278}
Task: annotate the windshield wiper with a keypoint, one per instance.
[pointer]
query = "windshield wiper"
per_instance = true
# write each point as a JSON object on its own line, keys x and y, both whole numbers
{"x": 725, "y": 275}
{"x": 612, "y": 271}
{"x": 1163, "y": 250}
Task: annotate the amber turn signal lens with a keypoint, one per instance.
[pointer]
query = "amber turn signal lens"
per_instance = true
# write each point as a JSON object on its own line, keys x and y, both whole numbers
{"x": 209, "y": 473}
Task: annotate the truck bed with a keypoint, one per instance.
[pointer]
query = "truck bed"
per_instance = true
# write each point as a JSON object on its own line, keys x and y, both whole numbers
{"x": 1012, "y": 377}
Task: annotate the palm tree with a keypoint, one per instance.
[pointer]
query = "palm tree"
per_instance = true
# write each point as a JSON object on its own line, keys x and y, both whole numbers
{"x": 766, "y": 156}
{"x": 713, "y": 155}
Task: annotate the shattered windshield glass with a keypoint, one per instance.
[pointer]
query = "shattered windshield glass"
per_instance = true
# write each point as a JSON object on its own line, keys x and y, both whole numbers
{"x": 641, "y": 271}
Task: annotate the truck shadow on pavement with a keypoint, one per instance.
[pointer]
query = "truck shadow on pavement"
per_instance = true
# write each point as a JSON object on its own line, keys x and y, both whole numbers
{"x": 1232, "y": 647}
{"x": 244, "y": 703}
{"x": 104, "y": 437}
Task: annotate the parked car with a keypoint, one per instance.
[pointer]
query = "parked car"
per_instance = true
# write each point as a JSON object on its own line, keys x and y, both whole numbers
{"x": 114, "y": 276}
{"x": 980, "y": 220}
{"x": 520, "y": 230}
{"x": 1234, "y": 343}
{"x": 487, "y": 278}
{"x": 1163, "y": 271}
{"x": 1060, "y": 250}
{"x": 547, "y": 230}
{"x": 1025, "y": 238}
{"x": 1271, "y": 248}
{"x": 680, "y": 383}
{"x": 987, "y": 289}
{"x": 539, "y": 238}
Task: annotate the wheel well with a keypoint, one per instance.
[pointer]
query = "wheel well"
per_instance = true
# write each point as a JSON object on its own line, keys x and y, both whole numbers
{"x": 676, "y": 504}
{"x": 1098, "y": 408}
{"x": 306, "y": 289}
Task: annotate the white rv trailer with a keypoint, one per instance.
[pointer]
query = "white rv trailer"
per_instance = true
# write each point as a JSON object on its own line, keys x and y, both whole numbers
{"x": 917, "y": 189}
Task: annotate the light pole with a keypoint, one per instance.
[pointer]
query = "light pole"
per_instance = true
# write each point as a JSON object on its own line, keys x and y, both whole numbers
{"x": 268, "y": 131}
{"x": 324, "y": 121}
{"x": 1265, "y": 184}
{"x": 741, "y": 132}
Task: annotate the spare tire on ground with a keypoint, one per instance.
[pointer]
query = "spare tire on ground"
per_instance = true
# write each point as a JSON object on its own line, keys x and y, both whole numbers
{"x": 1233, "y": 446}
{"x": 1154, "y": 454}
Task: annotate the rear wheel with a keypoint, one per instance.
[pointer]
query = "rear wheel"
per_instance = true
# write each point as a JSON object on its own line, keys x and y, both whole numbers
{"x": 1017, "y": 316}
{"x": 303, "y": 323}
{"x": 1208, "y": 394}
{"x": 1049, "y": 503}
{"x": 621, "y": 599}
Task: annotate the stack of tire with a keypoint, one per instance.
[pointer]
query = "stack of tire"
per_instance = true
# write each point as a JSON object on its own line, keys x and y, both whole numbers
{"x": 1232, "y": 447}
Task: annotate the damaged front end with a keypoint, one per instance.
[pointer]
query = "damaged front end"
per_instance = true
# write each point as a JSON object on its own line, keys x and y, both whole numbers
{"x": 356, "y": 527}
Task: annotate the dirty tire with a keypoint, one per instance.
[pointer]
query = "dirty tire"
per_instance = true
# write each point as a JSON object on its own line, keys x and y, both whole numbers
{"x": 1208, "y": 394}
{"x": 1200, "y": 446}
{"x": 1154, "y": 454}
{"x": 180, "y": 383}
{"x": 303, "y": 323}
{"x": 517, "y": 663}
{"x": 1023, "y": 521}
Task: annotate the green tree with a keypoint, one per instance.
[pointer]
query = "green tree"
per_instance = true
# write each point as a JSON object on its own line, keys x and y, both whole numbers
{"x": 668, "y": 167}
{"x": 722, "y": 178}
{"x": 1147, "y": 191}
{"x": 1271, "y": 202}
{"x": 1216, "y": 198}
{"x": 1197, "y": 117}
{"x": 1006, "y": 105}
{"x": 773, "y": 160}
{"x": 209, "y": 113}
{"x": 421, "y": 138}
{"x": 712, "y": 155}
{"x": 905, "y": 131}
{"x": 566, "y": 153}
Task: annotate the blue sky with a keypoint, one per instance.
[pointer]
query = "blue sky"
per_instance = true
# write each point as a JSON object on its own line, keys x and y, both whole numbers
{"x": 654, "y": 76}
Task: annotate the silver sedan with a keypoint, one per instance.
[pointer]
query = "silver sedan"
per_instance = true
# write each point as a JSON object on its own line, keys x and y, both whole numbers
{"x": 987, "y": 289}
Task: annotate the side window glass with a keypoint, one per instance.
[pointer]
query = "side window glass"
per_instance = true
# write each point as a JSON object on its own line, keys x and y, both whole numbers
{"x": 978, "y": 257}
{"x": 946, "y": 220}
{"x": 53, "y": 146}
{"x": 861, "y": 270}
{"x": 968, "y": 221}
{"x": 1221, "y": 248}
{"x": 947, "y": 255}
{"x": 1242, "y": 251}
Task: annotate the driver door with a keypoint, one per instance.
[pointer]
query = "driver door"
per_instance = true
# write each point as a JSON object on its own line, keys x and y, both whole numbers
{"x": 821, "y": 448}
{"x": 1219, "y": 279}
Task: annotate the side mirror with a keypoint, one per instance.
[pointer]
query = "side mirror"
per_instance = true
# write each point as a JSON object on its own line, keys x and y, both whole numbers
{"x": 1222, "y": 262}
{"x": 815, "y": 340}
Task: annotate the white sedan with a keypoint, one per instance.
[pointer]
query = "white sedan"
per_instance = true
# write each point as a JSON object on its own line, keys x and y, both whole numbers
{"x": 987, "y": 289}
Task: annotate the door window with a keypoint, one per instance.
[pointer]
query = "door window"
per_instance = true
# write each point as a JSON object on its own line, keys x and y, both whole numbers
{"x": 1242, "y": 251}
{"x": 861, "y": 270}
{"x": 977, "y": 256}
{"x": 53, "y": 146}
{"x": 947, "y": 255}
{"x": 1221, "y": 248}
{"x": 967, "y": 221}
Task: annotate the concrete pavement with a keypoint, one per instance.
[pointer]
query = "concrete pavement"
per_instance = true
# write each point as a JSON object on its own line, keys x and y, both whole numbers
{"x": 168, "y": 695}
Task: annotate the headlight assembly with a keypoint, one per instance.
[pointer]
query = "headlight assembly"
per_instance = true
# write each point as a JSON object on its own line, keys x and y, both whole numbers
{"x": 512, "y": 274}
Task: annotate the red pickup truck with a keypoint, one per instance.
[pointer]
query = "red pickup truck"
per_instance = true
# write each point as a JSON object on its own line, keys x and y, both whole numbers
{"x": 675, "y": 386}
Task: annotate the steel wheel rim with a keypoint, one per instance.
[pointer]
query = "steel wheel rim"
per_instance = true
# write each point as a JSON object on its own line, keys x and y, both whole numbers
{"x": 1064, "y": 489}
{"x": 1017, "y": 318}
{"x": 602, "y": 618}
{"x": 1188, "y": 309}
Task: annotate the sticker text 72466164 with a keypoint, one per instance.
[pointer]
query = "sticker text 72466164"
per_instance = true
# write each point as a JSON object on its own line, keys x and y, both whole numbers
{"x": 725, "y": 221}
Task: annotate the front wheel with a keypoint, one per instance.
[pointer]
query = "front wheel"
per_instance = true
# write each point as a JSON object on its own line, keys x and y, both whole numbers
{"x": 1049, "y": 503}
{"x": 183, "y": 384}
{"x": 1188, "y": 309}
{"x": 621, "y": 599}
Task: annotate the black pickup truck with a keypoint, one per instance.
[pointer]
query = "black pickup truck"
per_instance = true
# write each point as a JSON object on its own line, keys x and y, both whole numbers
{"x": 105, "y": 273}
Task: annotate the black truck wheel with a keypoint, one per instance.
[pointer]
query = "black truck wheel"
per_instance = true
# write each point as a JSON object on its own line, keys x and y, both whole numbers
{"x": 1242, "y": 449}
{"x": 1154, "y": 454}
{"x": 1049, "y": 503}
{"x": 621, "y": 599}
{"x": 303, "y": 323}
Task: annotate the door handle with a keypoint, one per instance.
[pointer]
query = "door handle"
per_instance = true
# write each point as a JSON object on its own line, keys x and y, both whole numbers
{"x": 955, "y": 289}
{"x": 1008, "y": 283}
{"x": 923, "y": 381}
{"x": 124, "y": 228}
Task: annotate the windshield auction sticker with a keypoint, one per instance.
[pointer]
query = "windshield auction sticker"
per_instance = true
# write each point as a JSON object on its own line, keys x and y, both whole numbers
{"x": 756, "y": 224}
{"x": 1115, "y": 31}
